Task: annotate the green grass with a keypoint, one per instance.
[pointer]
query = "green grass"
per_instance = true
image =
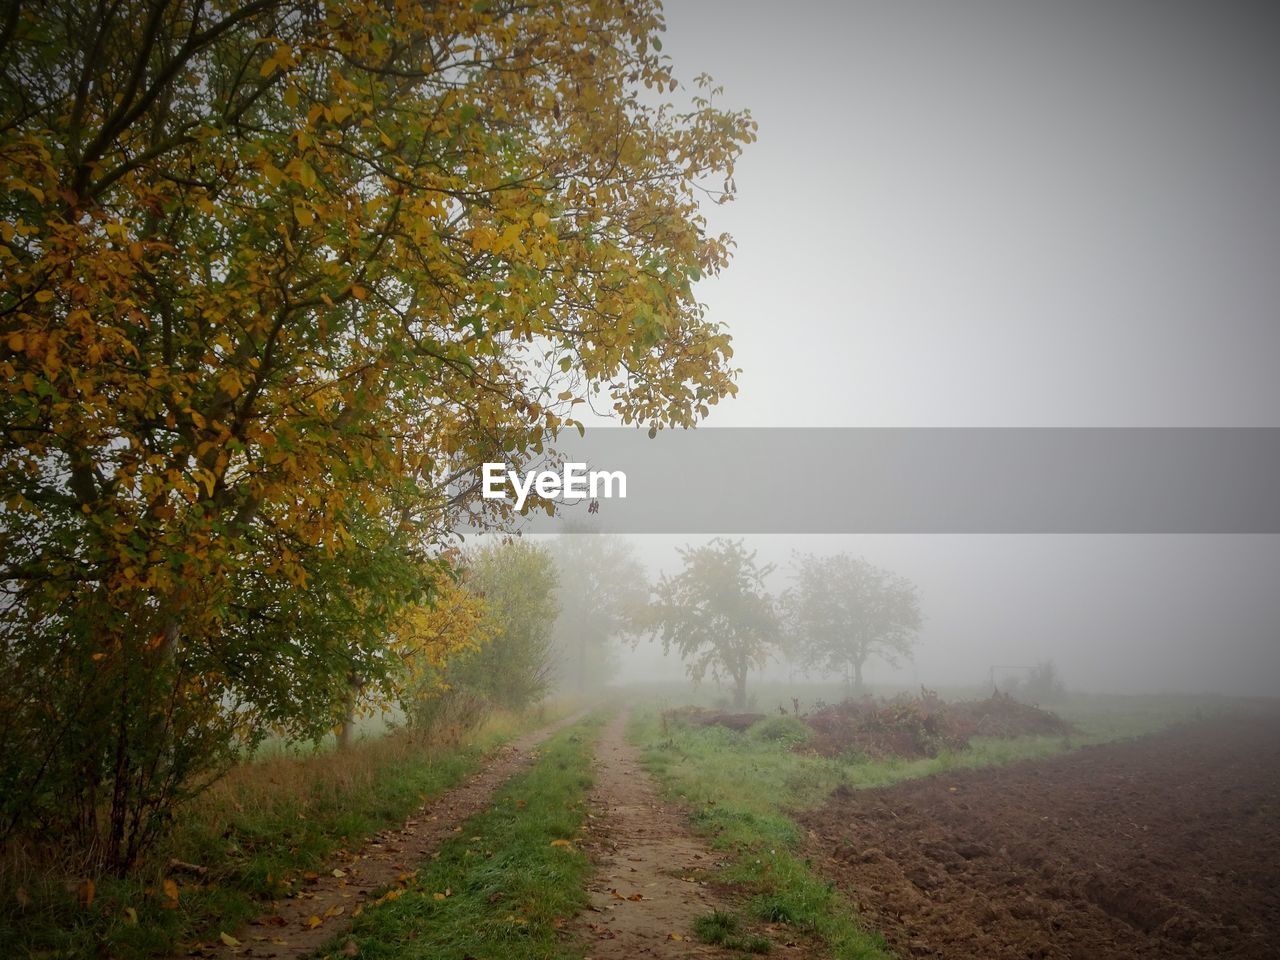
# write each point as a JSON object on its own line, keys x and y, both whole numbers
{"x": 257, "y": 831}
{"x": 505, "y": 884}
{"x": 723, "y": 929}
{"x": 736, "y": 786}
{"x": 739, "y": 788}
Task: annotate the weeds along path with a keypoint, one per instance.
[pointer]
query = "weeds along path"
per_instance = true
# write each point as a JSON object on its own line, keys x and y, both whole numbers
{"x": 297, "y": 927}
{"x": 647, "y": 890}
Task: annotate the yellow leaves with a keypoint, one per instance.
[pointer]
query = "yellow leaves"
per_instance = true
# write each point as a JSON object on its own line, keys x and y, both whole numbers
{"x": 635, "y": 897}
{"x": 274, "y": 175}
{"x": 16, "y": 342}
{"x": 228, "y": 939}
{"x": 509, "y": 238}
{"x": 562, "y": 843}
{"x": 171, "y": 889}
{"x": 281, "y": 59}
{"x": 304, "y": 173}
{"x": 540, "y": 219}
{"x": 17, "y": 183}
{"x": 43, "y": 296}
{"x": 388, "y": 896}
{"x": 229, "y": 383}
{"x": 206, "y": 478}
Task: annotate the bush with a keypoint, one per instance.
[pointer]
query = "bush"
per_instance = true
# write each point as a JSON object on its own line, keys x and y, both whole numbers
{"x": 1042, "y": 684}
{"x": 791, "y": 731}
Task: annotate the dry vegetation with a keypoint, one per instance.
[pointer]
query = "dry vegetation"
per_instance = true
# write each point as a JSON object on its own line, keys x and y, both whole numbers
{"x": 905, "y": 727}
{"x": 252, "y": 835}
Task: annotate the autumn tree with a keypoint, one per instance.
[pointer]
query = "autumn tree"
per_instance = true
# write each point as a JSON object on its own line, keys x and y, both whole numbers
{"x": 717, "y": 614}
{"x": 516, "y": 584}
{"x": 277, "y": 276}
{"x": 602, "y": 589}
{"x": 422, "y": 640}
{"x": 841, "y": 611}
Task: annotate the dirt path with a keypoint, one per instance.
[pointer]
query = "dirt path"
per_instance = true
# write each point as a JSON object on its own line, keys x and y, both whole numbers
{"x": 296, "y": 927}
{"x": 1159, "y": 848}
{"x": 647, "y": 889}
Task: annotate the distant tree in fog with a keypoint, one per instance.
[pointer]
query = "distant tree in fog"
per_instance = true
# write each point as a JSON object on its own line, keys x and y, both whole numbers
{"x": 1042, "y": 684}
{"x": 717, "y": 614}
{"x": 841, "y": 611}
{"x": 602, "y": 587}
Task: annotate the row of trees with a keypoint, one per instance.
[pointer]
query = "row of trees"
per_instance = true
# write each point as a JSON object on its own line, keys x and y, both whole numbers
{"x": 838, "y": 613}
{"x": 276, "y": 277}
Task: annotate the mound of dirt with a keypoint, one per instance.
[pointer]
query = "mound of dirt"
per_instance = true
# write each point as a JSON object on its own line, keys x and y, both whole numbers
{"x": 903, "y": 727}
{"x": 1003, "y": 716}
{"x": 702, "y": 717}
{"x": 922, "y": 726}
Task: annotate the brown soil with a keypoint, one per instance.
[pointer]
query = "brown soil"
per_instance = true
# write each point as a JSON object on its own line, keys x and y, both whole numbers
{"x": 651, "y": 877}
{"x": 290, "y": 928}
{"x": 1166, "y": 847}
{"x": 923, "y": 725}
{"x": 702, "y": 717}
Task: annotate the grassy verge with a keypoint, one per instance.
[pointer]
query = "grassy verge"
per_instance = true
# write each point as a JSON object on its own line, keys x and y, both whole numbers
{"x": 256, "y": 831}
{"x": 738, "y": 787}
{"x": 505, "y": 884}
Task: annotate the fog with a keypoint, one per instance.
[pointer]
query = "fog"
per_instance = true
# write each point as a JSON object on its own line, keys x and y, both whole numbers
{"x": 1116, "y": 614}
{"x": 1010, "y": 213}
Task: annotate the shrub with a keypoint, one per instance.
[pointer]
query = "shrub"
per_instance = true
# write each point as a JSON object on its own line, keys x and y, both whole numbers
{"x": 791, "y": 731}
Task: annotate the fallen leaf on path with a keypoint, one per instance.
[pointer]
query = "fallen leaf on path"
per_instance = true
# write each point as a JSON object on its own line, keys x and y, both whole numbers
{"x": 562, "y": 843}
{"x": 333, "y": 911}
{"x": 675, "y": 936}
{"x": 228, "y": 939}
{"x": 339, "y": 873}
{"x": 313, "y": 921}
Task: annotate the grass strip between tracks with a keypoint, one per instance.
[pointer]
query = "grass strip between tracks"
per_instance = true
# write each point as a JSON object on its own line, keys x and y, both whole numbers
{"x": 503, "y": 887}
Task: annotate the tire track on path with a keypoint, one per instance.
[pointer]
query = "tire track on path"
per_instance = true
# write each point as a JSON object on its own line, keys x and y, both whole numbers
{"x": 647, "y": 890}
{"x": 289, "y": 931}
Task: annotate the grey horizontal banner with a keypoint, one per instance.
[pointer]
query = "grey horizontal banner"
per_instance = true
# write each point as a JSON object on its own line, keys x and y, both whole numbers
{"x": 945, "y": 480}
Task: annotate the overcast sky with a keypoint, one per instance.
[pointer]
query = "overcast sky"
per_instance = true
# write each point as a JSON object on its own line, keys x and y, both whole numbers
{"x": 999, "y": 212}
{"x": 1015, "y": 213}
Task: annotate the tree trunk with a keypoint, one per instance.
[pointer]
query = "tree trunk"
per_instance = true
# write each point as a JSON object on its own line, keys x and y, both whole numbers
{"x": 857, "y": 677}
{"x": 347, "y": 735}
{"x": 740, "y": 692}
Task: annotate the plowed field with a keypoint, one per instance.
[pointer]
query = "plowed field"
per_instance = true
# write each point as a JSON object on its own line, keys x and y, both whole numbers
{"x": 1165, "y": 847}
